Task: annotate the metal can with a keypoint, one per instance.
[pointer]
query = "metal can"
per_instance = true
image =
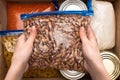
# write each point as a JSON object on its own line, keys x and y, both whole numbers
{"x": 72, "y": 75}
{"x": 73, "y": 5}
{"x": 111, "y": 63}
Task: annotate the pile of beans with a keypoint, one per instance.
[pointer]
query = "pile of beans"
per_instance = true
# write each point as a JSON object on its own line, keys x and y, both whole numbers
{"x": 57, "y": 43}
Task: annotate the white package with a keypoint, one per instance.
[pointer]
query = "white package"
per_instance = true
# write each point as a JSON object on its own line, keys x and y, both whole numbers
{"x": 103, "y": 24}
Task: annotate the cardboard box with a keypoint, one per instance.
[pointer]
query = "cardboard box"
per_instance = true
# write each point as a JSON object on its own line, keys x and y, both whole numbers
{"x": 3, "y": 26}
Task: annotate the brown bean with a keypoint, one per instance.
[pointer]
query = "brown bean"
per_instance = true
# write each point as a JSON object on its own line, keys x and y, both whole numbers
{"x": 63, "y": 50}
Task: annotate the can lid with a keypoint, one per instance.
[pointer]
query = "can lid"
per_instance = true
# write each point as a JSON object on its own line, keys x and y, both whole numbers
{"x": 72, "y": 75}
{"x": 112, "y": 64}
{"x": 73, "y": 5}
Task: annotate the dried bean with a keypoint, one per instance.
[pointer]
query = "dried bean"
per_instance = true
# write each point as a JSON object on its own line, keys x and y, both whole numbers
{"x": 57, "y": 44}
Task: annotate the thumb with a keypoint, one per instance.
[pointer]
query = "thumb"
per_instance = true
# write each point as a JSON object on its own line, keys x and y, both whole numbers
{"x": 91, "y": 34}
{"x": 83, "y": 35}
{"x": 32, "y": 35}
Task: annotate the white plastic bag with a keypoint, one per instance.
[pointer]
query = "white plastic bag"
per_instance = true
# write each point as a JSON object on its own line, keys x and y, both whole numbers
{"x": 103, "y": 24}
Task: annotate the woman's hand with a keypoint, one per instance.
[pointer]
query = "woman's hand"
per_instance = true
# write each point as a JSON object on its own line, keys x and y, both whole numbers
{"x": 92, "y": 58}
{"x": 21, "y": 56}
{"x": 24, "y": 48}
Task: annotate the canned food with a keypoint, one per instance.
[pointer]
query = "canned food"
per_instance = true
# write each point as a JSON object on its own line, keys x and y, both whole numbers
{"x": 112, "y": 64}
{"x": 72, "y": 75}
{"x": 73, "y": 5}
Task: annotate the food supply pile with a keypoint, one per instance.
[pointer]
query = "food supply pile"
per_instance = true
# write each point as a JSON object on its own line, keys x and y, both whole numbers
{"x": 57, "y": 45}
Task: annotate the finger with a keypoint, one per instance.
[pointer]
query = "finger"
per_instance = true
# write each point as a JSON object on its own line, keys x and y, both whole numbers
{"x": 32, "y": 35}
{"x": 83, "y": 35}
{"x": 21, "y": 38}
{"x": 27, "y": 66}
{"x": 91, "y": 35}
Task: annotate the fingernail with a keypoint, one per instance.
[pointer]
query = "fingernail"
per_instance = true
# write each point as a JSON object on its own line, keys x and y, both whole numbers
{"x": 33, "y": 27}
{"x": 82, "y": 28}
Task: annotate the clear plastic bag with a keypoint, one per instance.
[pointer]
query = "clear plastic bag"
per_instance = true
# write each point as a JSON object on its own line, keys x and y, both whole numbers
{"x": 9, "y": 40}
{"x": 15, "y": 9}
{"x": 57, "y": 43}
